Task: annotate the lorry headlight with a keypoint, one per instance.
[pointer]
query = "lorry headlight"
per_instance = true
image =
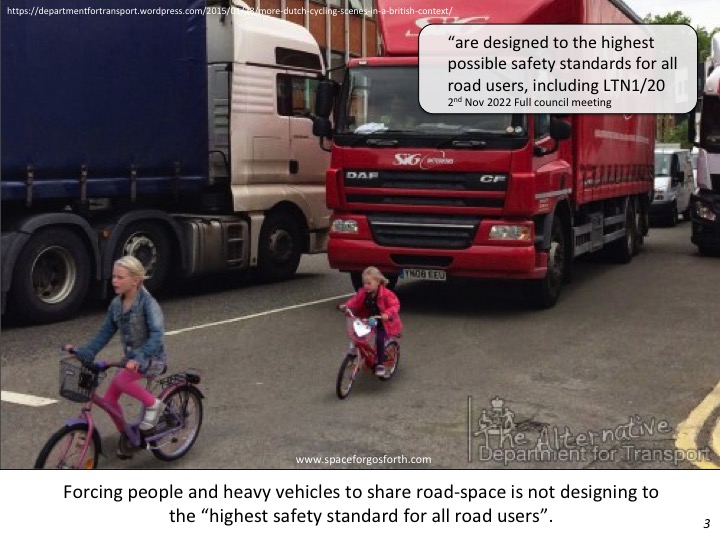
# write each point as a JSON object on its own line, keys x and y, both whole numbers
{"x": 510, "y": 232}
{"x": 659, "y": 194}
{"x": 344, "y": 226}
{"x": 704, "y": 211}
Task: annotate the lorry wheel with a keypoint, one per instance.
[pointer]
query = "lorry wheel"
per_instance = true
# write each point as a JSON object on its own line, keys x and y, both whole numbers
{"x": 280, "y": 247}
{"x": 51, "y": 277}
{"x": 148, "y": 243}
{"x": 622, "y": 250}
{"x": 640, "y": 229}
{"x": 672, "y": 218}
{"x": 544, "y": 293}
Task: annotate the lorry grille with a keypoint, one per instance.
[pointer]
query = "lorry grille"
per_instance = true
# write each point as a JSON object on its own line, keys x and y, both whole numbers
{"x": 437, "y": 232}
{"x": 426, "y": 188}
{"x": 464, "y": 202}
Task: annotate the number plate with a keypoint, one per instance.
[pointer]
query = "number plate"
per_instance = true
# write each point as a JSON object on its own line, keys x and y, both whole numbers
{"x": 427, "y": 274}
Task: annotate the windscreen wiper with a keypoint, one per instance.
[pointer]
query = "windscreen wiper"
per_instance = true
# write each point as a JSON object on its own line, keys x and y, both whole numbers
{"x": 373, "y": 139}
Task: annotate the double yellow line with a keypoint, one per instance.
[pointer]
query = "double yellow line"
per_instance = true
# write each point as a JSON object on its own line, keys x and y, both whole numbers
{"x": 689, "y": 429}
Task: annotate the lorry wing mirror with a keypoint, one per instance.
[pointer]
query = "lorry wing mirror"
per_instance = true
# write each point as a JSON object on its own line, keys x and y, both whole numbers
{"x": 325, "y": 97}
{"x": 560, "y": 130}
{"x": 322, "y": 127}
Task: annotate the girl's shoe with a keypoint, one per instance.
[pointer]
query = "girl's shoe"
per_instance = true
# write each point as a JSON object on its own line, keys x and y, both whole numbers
{"x": 152, "y": 415}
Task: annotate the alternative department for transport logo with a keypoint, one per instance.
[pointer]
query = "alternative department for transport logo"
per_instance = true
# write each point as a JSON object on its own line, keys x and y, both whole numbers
{"x": 496, "y": 436}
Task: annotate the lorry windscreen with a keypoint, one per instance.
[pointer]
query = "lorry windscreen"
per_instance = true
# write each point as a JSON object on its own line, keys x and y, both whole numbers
{"x": 383, "y": 101}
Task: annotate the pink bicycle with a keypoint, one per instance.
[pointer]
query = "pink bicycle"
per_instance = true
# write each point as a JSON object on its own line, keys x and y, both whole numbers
{"x": 77, "y": 444}
{"x": 362, "y": 353}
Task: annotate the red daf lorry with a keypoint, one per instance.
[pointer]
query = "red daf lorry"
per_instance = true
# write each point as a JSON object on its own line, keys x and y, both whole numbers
{"x": 509, "y": 196}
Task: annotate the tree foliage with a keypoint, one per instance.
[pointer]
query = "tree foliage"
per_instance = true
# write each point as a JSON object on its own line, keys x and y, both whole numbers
{"x": 679, "y": 135}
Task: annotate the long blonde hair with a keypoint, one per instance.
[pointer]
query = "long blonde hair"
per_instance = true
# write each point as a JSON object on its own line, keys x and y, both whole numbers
{"x": 376, "y": 274}
{"x": 134, "y": 267}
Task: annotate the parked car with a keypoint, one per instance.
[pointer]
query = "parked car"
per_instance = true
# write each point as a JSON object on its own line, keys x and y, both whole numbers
{"x": 674, "y": 183}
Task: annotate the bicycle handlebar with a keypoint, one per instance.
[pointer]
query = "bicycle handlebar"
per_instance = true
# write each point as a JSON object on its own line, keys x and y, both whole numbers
{"x": 349, "y": 312}
{"x": 96, "y": 367}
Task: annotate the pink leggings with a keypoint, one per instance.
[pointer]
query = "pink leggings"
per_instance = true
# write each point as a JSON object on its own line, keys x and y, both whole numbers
{"x": 125, "y": 382}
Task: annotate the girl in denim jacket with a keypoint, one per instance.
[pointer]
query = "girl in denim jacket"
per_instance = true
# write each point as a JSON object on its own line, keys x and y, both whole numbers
{"x": 138, "y": 317}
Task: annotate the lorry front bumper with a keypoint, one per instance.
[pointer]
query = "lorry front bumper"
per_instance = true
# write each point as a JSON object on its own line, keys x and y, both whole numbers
{"x": 705, "y": 232}
{"x": 478, "y": 261}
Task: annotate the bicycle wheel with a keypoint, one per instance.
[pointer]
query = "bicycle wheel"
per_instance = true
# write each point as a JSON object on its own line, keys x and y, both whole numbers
{"x": 64, "y": 449}
{"x": 186, "y": 403}
{"x": 346, "y": 375}
{"x": 392, "y": 359}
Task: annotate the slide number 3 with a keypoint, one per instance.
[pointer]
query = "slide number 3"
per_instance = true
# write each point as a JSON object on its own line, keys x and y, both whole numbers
{"x": 707, "y": 524}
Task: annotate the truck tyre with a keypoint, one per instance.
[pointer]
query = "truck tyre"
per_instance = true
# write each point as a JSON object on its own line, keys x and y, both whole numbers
{"x": 356, "y": 278}
{"x": 640, "y": 227}
{"x": 280, "y": 247}
{"x": 148, "y": 243}
{"x": 544, "y": 293}
{"x": 51, "y": 277}
{"x": 622, "y": 250}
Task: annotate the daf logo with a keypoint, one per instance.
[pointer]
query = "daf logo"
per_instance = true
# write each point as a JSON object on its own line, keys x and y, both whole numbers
{"x": 407, "y": 159}
{"x": 492, "y": 178}
{"x": 361, "y": 175}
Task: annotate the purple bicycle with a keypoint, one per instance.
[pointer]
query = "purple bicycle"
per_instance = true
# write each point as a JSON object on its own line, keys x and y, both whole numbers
{"x": 77, "y": 444}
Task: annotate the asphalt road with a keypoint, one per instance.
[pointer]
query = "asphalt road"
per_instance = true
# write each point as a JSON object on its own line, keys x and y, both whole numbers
{"x": 603, "y": 380}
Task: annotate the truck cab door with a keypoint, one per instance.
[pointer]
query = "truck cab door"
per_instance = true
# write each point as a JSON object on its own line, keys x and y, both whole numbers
{"x": 552, "y": 174}
{"x": 219, "y": 120}
{"x": 307, "y": 161}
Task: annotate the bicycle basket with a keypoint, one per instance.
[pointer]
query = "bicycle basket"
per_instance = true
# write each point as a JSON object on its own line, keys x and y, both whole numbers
{"x": 76, "y": 381}
{"x": 360, "y": 331}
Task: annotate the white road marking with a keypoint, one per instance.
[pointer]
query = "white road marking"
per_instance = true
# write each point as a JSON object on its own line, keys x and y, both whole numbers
{"x": 36, "y": 401}
{"x": 253, "y": 315}
{"x": 25, "y": 399}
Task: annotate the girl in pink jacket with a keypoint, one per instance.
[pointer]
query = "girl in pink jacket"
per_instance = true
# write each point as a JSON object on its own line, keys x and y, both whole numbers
{"x": 375, "y": 299}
